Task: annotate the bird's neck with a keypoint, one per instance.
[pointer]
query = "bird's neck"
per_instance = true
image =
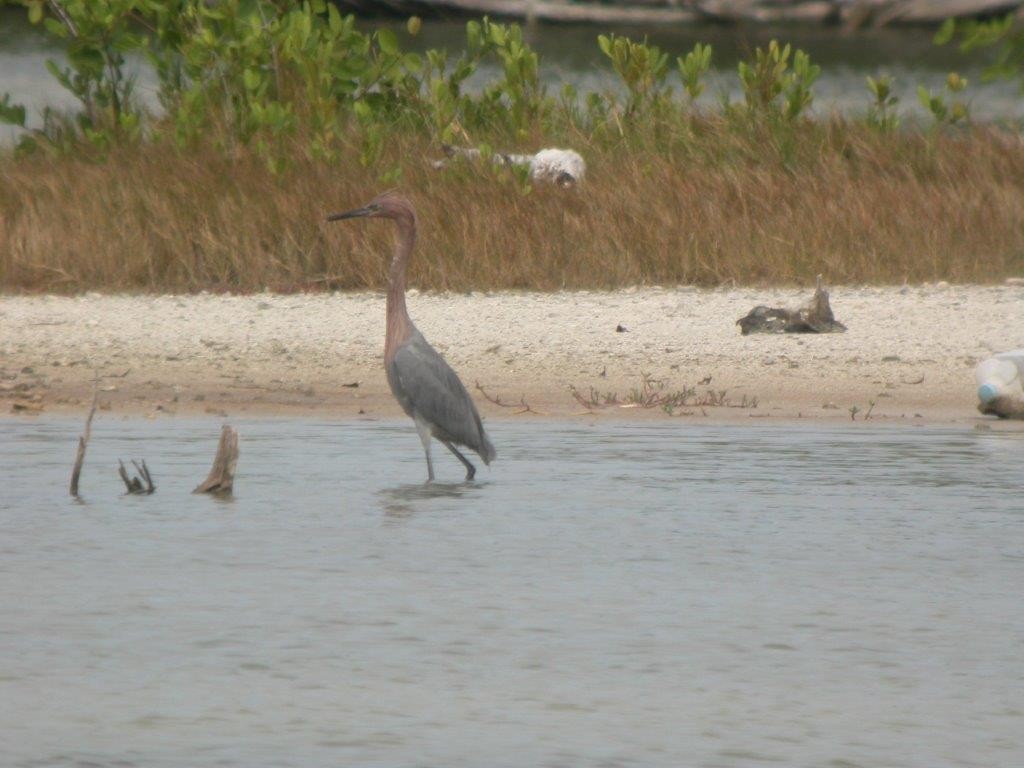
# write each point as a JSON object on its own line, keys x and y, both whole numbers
{"x": 399, "y": 325}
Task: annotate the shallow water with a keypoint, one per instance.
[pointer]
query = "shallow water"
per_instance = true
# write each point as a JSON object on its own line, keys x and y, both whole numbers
{"x": 662, "y": 594}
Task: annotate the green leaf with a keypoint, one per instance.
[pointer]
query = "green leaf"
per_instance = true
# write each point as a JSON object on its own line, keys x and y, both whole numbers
{"x": 62, "y": 76}
{"x": 12, "y": 114}
{"x": 387, "y": 41}
{"x": 412, "y": 62}
{"x": 35, "y": 11}
{"x": 497, "y": 34}
{"x": 474, "y": 36}
{"x": 333, "y": 19}
{"x": 87, "y": 61}
{"x": 363, "y": 110}
{"x": 55, "y": 28}
{"x": 251, "y": 79}
{"x": 946, "y": 32}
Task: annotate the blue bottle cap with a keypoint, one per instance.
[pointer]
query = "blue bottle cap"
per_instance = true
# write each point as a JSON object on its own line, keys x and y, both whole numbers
{"x": 987, "y": 392}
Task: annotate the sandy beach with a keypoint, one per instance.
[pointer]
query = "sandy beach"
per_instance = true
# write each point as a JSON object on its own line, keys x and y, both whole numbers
{"x": 908, "y": 354}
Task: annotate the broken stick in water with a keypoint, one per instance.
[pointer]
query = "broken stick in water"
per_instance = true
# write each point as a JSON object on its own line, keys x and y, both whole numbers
{"x": 83, "y": 440}
{"x": 134, "y": 484}
{"x": 222, "y": 476}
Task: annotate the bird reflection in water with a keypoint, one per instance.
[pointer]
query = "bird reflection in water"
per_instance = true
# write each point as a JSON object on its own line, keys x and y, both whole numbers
{"x": 404, "y": 500}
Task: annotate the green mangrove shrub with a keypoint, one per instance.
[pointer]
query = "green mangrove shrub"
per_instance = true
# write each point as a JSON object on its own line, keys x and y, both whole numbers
{"x": 946, "y": 107}
{"x": 97, "y": 35}
{"x": 642, "y": 68}
{"x": 882, "y": 110}
{"x": 283, "y": 79}
{"x": 519, "y": 99}
{"x": 258, "y": 76}
{"x": 1004, "y": 34}
{"x": 776, "y": 87}
{"x": 692, "y": 69}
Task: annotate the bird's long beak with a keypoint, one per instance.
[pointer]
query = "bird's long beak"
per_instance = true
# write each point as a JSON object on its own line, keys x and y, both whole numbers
{"x": 355, "y": 213}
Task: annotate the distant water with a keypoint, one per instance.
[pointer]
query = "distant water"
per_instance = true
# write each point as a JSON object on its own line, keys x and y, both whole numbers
{"x": 569, "y": 53}
{"x": 663, "y": 594}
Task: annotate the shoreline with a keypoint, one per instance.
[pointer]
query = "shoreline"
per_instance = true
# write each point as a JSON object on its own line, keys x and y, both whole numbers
{"x": 907, "y": 357}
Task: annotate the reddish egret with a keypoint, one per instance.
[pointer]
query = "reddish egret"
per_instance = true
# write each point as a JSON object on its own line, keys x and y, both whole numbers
{"x": 422, "y": 382}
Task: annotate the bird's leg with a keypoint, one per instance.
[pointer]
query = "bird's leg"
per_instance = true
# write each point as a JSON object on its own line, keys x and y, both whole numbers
{"x": 424, "y": 431}
{"x": 470, "y": 469}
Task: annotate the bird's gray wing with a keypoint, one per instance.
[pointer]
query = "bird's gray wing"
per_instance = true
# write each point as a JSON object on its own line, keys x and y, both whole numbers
{"x": 436, "y": 394}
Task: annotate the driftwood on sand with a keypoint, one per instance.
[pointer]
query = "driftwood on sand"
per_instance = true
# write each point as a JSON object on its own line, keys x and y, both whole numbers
{"x": 221, "y": 479}
{"x": 814, "y": 317}
{"x": 1004, "y": 407}
{"x": 768, "y": 11}
{"x": 142, "y": 485}
{"x": 882, "y": 13}
{"x": 561, "y": 11}
{"x": 83, "y": 441}
{"x": 852, "y": 14}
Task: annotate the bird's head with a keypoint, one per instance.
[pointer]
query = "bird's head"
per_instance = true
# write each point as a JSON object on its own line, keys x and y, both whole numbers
{"x": 385, "y": 206}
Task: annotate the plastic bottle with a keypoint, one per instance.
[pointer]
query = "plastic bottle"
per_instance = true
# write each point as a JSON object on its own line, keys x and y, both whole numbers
{"x": 1000, "y": 375}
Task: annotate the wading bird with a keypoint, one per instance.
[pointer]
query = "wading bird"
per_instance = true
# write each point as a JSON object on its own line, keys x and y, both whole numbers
{"x": 422, "y": 382}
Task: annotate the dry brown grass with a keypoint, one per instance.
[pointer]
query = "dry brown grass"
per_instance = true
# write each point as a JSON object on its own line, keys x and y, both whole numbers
{"x": 842, "y": 200}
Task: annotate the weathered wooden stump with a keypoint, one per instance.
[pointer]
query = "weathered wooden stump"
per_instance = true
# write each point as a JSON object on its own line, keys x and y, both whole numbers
{"x": 221, "y": 479}
{"x": 83, "y": 441}
{"x": 814, "y": 317}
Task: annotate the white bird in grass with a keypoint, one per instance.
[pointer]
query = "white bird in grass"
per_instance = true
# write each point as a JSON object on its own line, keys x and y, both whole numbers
{"x": 560, "y": 166}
